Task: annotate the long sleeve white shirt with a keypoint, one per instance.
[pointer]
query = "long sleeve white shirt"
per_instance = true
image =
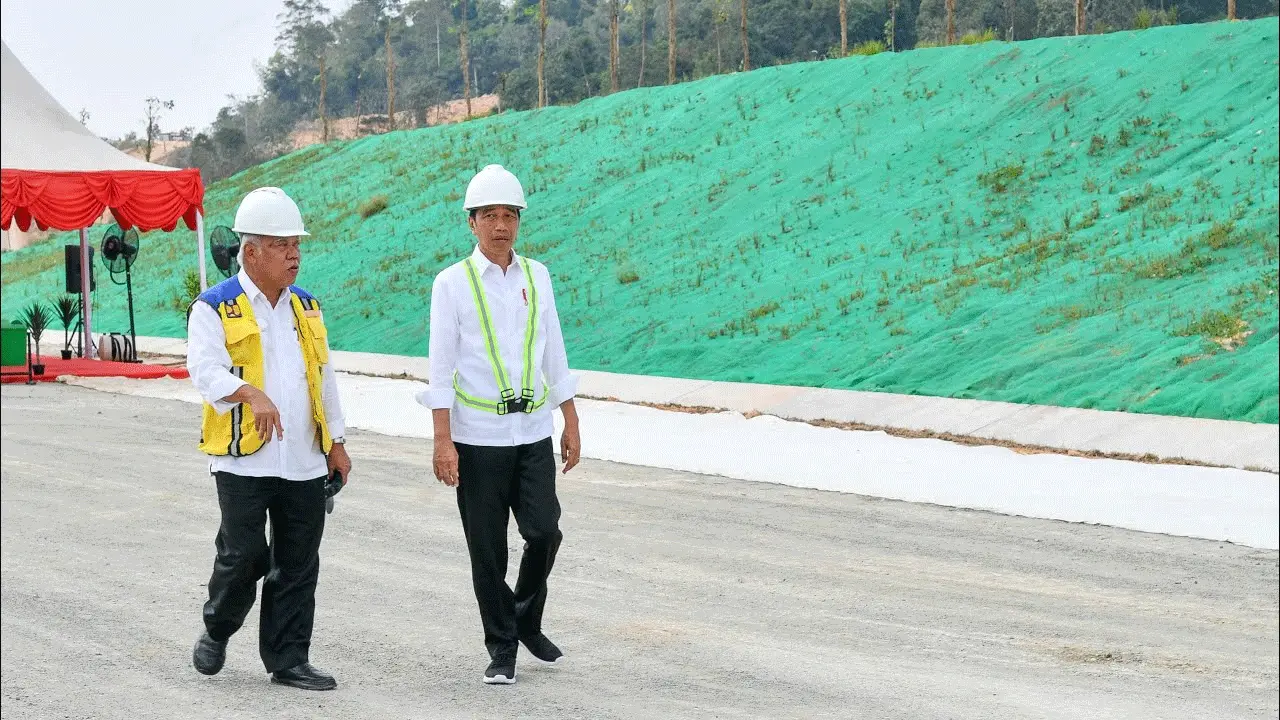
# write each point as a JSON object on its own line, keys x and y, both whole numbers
{"x": 297, "y": 456}
{"x": 457, "y": 345}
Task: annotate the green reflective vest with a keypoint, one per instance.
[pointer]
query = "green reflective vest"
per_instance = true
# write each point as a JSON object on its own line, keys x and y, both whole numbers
{"x": 509, "y": 402}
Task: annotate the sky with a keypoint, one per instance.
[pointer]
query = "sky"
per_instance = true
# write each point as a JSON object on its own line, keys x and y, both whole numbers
{"x": 108, "y": 56}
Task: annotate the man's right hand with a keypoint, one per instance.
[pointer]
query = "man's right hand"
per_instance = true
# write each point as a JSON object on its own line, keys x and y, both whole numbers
{"x": 266, "y": 417}
{"x": 445, "y": 462}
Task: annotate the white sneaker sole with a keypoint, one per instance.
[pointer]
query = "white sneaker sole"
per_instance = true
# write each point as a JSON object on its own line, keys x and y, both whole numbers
{"x": 500, "y": 680}
{"x": 554, "y": 663}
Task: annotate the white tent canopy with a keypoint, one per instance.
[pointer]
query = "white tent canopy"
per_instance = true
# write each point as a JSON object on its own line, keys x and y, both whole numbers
{"x": 56, "y": 173}
{"x": 40, "y": 135}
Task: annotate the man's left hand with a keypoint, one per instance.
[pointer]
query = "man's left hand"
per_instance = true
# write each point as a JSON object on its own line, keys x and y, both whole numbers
{"x": 570, "y": 446}
{"x": 339, "y": 461}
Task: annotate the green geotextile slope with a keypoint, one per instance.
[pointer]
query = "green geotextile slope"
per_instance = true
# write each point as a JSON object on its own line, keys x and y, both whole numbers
{"x": 1088, "y": 222}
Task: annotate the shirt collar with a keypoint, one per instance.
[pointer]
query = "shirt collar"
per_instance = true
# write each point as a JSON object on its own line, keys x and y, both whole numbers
{"x": 252, "y": 291}
{"x": 483, "y": 263}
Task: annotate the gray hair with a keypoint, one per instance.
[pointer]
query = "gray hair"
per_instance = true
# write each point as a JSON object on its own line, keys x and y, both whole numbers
{"x": 247, "y": 239}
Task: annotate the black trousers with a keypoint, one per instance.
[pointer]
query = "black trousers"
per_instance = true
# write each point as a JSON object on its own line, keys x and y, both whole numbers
{"x": 290, "y": 564}
{"x": 492, "y": 483}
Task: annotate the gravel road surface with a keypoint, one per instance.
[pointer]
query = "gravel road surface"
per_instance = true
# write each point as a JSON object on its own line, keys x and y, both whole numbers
{"x": 675, "y": 596}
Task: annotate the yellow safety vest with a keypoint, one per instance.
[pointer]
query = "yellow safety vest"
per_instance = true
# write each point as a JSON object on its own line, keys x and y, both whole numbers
{"x": 234, "y": 433}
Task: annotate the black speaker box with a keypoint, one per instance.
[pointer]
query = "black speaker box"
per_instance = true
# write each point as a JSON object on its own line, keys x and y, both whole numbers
{"x": 72, "y": 255}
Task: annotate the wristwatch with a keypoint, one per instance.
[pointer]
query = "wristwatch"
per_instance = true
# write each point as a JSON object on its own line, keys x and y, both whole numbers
{"x": 339, "y": 441}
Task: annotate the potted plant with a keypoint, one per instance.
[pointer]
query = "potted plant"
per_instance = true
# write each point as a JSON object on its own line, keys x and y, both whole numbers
{"x": 68, "y": 308}
{"x": 36, "y": 318}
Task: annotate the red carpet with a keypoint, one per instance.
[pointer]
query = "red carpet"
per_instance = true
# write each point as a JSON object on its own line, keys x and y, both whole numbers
{"x": 57, "y": 367}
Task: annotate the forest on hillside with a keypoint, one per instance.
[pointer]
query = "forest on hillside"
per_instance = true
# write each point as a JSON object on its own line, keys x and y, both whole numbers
{"x": 391, "y": 60}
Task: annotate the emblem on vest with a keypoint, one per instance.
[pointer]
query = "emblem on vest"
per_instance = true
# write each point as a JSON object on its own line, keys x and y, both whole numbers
{"x": 233, "y": 310}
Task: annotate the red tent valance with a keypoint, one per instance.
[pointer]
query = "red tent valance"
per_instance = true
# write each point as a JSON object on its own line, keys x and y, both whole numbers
{"x": 145, "y": 199}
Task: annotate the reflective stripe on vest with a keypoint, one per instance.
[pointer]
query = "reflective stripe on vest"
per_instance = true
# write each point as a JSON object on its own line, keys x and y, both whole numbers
{"x": 507, "y": 402}
{"x": 234, "y": 433}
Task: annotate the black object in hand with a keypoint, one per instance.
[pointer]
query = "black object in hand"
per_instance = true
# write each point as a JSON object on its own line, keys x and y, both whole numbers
{"x": 331, "y": 488}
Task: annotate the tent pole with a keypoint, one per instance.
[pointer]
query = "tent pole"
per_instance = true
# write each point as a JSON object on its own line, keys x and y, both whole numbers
{"x": 204, "y": 279}
{"x": 86, "y": 272}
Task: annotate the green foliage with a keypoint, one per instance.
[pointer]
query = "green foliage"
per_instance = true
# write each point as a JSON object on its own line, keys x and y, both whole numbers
{"x": 870, "y": 47}
{"x": 999, "y": 180}
{"x": 1215, "y": 325}
{"x": 35, "y": 317}
{"x": 67, "y": 310}
{"x": 977, "y": 38}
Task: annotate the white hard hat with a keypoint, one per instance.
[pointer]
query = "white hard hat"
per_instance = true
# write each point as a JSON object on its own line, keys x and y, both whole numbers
{"x": 494, "y": 185}
{"x": 269, "y": 211}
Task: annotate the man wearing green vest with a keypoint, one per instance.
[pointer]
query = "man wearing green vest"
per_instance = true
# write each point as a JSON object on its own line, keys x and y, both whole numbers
{"x": 498, "y": 369}
{"x": 258, "y": 353}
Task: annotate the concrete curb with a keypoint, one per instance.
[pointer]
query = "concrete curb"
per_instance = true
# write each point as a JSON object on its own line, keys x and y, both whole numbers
{"x": 1224, "y": 443}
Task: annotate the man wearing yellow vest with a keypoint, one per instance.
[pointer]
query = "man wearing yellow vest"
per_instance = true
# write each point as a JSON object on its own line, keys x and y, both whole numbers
{"x": 498, "y": 368}
{"x": 258, "y": 352}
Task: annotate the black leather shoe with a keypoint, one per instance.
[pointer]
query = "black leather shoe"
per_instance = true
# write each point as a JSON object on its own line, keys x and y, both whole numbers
{"x": 209, "y": 654}
{"x": 305, "y": 677}
{"x": 543, "y": 649}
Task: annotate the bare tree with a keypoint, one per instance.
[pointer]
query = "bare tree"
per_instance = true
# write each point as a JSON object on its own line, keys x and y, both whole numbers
{"x": 84, "y": 116}
{"x": 614, "y": 49}
{"x": 154, "y": 106}
{"x": 644, "y": 32}
{"x": 721, "y": 16}
{"x": 466, "y": 60}
{"x": 746, "y": 48}
{"x": 951, "y": 22}
{"x": 391, "y": 80}
{"x": 1231, "y": 10}
{"x": 671, "y": 42}
{"x": 1080, "y": 19}
{"x": 542, "y": 53}
{"x": 844, "y": 28}
{"x": 891, "y": 32}
{"x": 324, "y": 116}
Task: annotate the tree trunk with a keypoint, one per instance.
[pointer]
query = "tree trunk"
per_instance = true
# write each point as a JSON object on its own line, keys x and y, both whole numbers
{"x": 844, "y": 28}
{"x": 614, "y": 49}
{"x": 542, "y": 53}
{"x": 1012, "y": 10}
{"x": 1231, "y": 10}
{"x": 671, "y": 42}
{"x": 324, "y": 117}
{"x": 951, "y": 22}
{"x": 746, "y": 48}
{"x": 893, "y": 25}
{"x": 391, "y": 81}
{"x": 1080, "y": 20}
{"x": 719, "y": 56}
{"x": 644, "y": 32}
{"x": 466, "y": 60}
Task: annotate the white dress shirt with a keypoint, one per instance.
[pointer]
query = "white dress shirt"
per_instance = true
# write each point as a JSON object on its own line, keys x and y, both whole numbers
{"x": 298, "y": 455}
{"x": 457, "y": 344}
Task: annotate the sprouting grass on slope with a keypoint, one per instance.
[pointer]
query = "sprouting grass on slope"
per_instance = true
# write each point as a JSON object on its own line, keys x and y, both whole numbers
{"x": 1068, "y": 221}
